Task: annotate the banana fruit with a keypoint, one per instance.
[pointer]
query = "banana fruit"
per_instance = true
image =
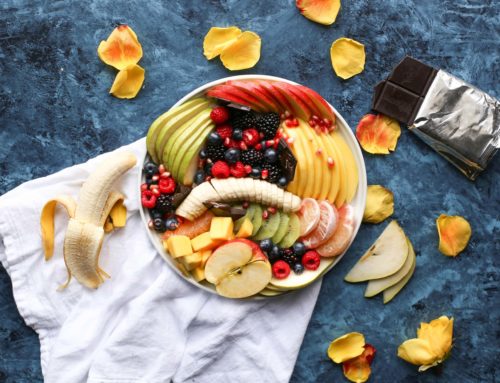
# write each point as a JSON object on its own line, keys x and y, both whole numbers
{"x": 98, "y": 211}
{"x": 236, "y": 189}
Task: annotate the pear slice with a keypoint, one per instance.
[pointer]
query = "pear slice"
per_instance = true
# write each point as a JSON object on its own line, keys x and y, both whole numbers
{"x": 385, "y": 257}
{"x": 391, "y": 292}
{"x": 376, "y": 286}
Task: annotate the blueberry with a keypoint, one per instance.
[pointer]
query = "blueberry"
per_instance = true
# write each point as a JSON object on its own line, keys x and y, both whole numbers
{"x": 299, "y": 249}
{"x": 159, "y": 224}
{"x": 298, "y": 268}
{"x": 274, "y": 254}
{"x": 172, "y": 223}
{"x": 266, "y": 244}
{"x": 238, "y": 134}
{"x": 153, "y": 213}
{"x": 232, "y": 155}
{"x": 150, "y": 169}
{"x": 208, "y": 168}
{"x": 214, "y": 139}
{"x": 271, "y": 156}
{"x": 199, "y": 177}
{"x": 282, "y": 182}
{"x": 203, "y": 154}
{"x": 255, "y": 173}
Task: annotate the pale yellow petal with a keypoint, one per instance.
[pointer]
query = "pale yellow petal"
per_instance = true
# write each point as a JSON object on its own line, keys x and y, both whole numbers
{"x": 217, "y": 39}
{"x": 128, "y": 82}
{"x": 454, "y": 234}
{"x": 346, "y": 347}
{"x": 379, "y": 204}
{"x": 243, "y": 53}
{"x": 320, "y": 11}
{"x": 417, "y": 352}
{"x": 348, "y": 57}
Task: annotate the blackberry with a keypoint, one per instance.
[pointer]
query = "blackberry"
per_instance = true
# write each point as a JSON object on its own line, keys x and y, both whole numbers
{"x": 164, "y": 203}
{"x": 289, "y": 256}
{"x": 215, "y": 152}
{"x": 252, "y": 157}
{"x": 268, "y": 124}
{"x": 243, "y": 120}
{"x": 274, "y": 172}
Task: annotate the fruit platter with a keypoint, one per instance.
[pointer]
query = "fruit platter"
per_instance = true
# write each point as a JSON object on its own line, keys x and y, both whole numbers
{"x": 252, "y": 186}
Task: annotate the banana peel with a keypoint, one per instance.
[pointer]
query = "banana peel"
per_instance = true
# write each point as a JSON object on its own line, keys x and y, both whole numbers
{"x": 97, "y": 212}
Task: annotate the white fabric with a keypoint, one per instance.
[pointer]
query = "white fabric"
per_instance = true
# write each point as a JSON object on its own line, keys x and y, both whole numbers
{"x": 145, "y": 324}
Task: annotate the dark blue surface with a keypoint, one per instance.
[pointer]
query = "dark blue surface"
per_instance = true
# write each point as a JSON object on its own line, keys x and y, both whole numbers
{"x": 55, "y": 112}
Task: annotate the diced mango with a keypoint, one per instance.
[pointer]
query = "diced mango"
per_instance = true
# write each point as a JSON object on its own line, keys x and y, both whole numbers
{"x": 191, "y": 261}
{"x": 204, "y": 242}
{"x": 205, "y": 254}
{"x": 245, "y": 229}
{"x": 221, "y": 228}
{"x": 178, "y": 246}
{"x": 198, "y": 274}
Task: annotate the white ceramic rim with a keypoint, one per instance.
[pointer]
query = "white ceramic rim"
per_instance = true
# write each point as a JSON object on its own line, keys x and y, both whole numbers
{"x": 358, "y": 202}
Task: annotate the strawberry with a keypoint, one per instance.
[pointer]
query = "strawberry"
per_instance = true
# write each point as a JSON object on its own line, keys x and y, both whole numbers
{"x": 225, "y": 131}
{"x": 220, "y": 169}
{"x": 250, "y": 137}
{"x": 219, "y": 115}
{"x": 238, "y": 170}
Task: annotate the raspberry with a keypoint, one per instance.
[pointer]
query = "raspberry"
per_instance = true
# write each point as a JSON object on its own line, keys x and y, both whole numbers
{"x": 281, "y": 269}
{"x": 220, "y": 170}
{"x": 219, "y": 115}
{"x": 238, "y": 170}
{"x": 167, "y": 185}
{"x": 251, "y": 137}
{"x": 148, "y": 199}
{"x": 311, "y": 260}
{"x": 225, "y": 131}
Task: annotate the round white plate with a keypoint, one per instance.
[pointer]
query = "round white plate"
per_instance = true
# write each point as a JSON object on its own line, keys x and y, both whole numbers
{"x": 358, "y": 201}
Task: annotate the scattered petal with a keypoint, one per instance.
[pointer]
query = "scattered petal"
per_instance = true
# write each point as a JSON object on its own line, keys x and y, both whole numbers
{"x": 358, "y": 369}
{"x": 122, "y": 48}
{"x": 217, "y": 39}
{"x": 243, "y": 53}
{"x": 320, "y": 11}
{"x": 379, "y": 204}
{"x": 432, "y": 346}
{"x": 128, "y": 82}
{"x": 454, "y": 234}
{"x": 346, "y": 347}
{"x": 348, "y": 57}
{"x": 378, "y": 134}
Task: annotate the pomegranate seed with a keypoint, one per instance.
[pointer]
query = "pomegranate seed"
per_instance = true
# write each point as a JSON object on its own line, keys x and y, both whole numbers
{"x": 265, "y": 174}
{"x": 248, "y": 169}
{"x": 161, "y": 169}
{"x": 258, "y": 147}
{"x": 319, "y": 151}
{"x": 282, "y": 116}
{"x": 290, "y": 140}
{"x": 312, "y": 123}
{"x": 156, "y": 191}
{"x": 315, "y": 118}
{"x": 269, "y": 143}
{"x": 271, "y": 210}
{"x": 265, "y": 214}
{"x": 246, "y": 204}
{"x": 261, "y": 135}
{"x": 325, "y": 121}
{"x": 155, "y": 178}
{"x": 275, "y": 146}
{"x": 287, "y": 114}
{"x": 243, "y": 146}
{"x": 295, "y": 122}
{"x": 330, "y": 162}
{"x": 209, "y": 161}
{"x": 165, "y": 175}
{"x": 289, "y": 123}
{"x": 207, "y": 178}
{"x": 180, "y": 220}
{"x": 152, "y": 187}
{"x": 227, "y": 141}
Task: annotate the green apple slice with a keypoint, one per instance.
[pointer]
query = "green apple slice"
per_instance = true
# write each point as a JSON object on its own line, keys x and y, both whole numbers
{"x": 268, "y": 228}
{"x": 385, "y": 257}
{"x": 376, "y": 286}
{"x": 271, "y": 293}
{"x": 282, "y": 229}
{"x": 392, "y": 291}
{"x": 256, "y": 219}
{"x": 162, "y": 120}
{"x": 293, "y": 231}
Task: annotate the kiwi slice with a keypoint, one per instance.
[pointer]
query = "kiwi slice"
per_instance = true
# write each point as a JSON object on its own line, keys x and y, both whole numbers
{"x": 256, "y": 219}
{"x": 293, "y": 232}
{"x": 282, "y": 229}
{"x": 269, "y": 227}
{"x": 249, "y": 214}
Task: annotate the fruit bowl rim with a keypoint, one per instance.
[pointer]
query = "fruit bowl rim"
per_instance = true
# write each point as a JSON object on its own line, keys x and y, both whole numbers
{"x": 360, "y": 195}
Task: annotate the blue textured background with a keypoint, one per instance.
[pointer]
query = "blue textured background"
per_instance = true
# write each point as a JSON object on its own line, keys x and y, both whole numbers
{"x": 55, "y": 112}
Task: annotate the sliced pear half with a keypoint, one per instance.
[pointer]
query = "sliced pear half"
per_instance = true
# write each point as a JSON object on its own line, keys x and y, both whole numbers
{"x": 392, "y": 291}
{"x": 385, "y": 257}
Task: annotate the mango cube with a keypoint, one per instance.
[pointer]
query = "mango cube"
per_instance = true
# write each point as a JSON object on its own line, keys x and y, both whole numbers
{"x": 191, "y": 261}
{"x": 245, "y": 229}
{"x": 204, "y": 242}
{"x": 198, "y": 274}
{"x": 205, "y": 254}
{"x": 178, "y": 246}
{"x": 221, "y": 228}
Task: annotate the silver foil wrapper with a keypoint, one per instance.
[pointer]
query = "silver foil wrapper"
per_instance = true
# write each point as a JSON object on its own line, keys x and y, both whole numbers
{"x": 460, "y": 122}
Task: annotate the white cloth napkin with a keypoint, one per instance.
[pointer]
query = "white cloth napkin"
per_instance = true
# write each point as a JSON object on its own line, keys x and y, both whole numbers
{"x": 145, "y": 324}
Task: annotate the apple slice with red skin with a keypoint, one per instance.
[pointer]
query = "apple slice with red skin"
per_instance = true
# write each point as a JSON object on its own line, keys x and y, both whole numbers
{"x": 238, "y": 269}
{"x": 279, "y": 108}
{"x": 285, "y": 104}
{"x": 310, "y": 107}
{"x": 321, "y": 104}
{"x": 216, "y": 92}
{"x": 250, "y": 87}
{"x": 235, "y": 93}
{"x": 299, "y": 108}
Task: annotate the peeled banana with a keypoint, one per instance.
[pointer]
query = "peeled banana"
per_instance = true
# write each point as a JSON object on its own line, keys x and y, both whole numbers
{"x": 236, "y": 189}
{"x": 98, "y": 211}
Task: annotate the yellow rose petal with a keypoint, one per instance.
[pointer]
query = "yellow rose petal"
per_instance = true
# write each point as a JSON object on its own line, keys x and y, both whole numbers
{"x": 320, "y": 11}
{"x": 128, "y": 82}
{"x": 122, "y": 48}
{"x": 379, "y": 204}
{"x": 348, "y": 57}
{"x": 346, "y": 347}
{"x": 378, "y": 134}
{"x": 358, "y": 369}
{"x": 439, "y": 333}
{"x": 454, "y": 234}
{"x": 243, "y": 53}
{"x": 217, "y": 39}
{"x": 417, "y": 352}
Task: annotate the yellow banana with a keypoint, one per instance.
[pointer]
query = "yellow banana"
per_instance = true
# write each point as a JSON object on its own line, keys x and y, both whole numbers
{"x": 98, "y": 211}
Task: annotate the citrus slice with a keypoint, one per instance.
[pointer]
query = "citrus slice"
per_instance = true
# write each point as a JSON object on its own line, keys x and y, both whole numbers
{"x": 342, "y": 235}
{"x": 308, "y": 216}
{"x": 192, "y": 228}
{"x": 328, "y": 220}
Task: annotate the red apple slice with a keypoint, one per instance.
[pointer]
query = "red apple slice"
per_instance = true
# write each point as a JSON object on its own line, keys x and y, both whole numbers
{"x": 342, "y": 235}
{"x": 326, "y": 110}
{"x": 216, "y": 92}
{"x": 278, "y": 107}
{"x": 302, "y": 100}
{"x": 299, "y": 108}
{"x": 309, "y": 215}
{"x": 234, "y": 91}
{"x": 266, "y": 102}
{"x": 285, "y": 105}
{"x": 326, "y": 227}
{"x": 313, "y": 108}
